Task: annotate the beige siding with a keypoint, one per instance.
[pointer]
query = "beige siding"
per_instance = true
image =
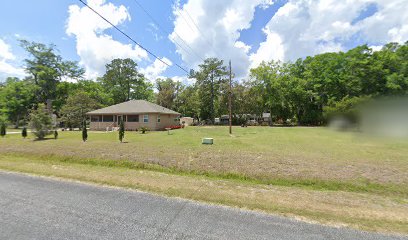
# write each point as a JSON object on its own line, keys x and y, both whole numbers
{"x": 165, "y": 121}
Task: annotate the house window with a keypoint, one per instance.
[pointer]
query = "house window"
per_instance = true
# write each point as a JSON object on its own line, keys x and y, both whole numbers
{"x": 158, "y": 118}
{"x": 108, "y": 118}
{"x": 95, "y": 118}
{"x": 133, "y": 118}
{"x": 146, "y": 118}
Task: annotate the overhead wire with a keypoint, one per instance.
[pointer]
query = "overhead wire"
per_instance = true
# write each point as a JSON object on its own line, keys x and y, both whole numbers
{"x": 168, "y": 33}
{"x": 131, "y": 39}
{"x": 198, "y": 30}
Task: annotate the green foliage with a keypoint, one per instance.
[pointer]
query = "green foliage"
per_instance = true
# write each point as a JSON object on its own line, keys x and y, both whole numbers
{"x": 41, "y": 122}
{"x": 144, "y": 130}
{"x": 168, "y": 92}
{"x": 47, "y": 69}
{"x": 347, "y": 107}
{"x": 121, "y": 130}
{"x": 96, "y": 91}
{"x": 3, "y": 129}
{"x": 55, "y": 134}
{"x": 123, "y": 81}
{"x": 307, "y": 91}
{"x": 211, "y": 82}
{"x": 84, "y": 132}
{"x": 16, "y": 99}
{"x": 313, "y": 89}
{"x": 24, "y": 132}
{"x": 188, "y": 102}
{"x": 75, "y": 108}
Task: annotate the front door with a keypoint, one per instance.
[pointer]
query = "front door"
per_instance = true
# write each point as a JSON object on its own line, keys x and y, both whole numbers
{"x": 119, "y": 118}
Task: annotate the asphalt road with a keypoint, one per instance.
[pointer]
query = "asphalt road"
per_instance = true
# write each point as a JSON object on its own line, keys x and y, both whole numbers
{"x": 43, "y": 208}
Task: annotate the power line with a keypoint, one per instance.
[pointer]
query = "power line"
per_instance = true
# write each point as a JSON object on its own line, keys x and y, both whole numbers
{"x": 131, "y": 39}
{"x": 195, "y": 24}
{"x": 167, "y": 33}
{"x": 188, "y": 24}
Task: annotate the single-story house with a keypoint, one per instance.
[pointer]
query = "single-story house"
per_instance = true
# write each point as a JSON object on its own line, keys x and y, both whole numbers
{"x": 135, "y": 114}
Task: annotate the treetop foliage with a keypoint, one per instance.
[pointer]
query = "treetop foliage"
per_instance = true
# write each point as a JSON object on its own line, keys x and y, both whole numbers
{"x": 307, "y": 91}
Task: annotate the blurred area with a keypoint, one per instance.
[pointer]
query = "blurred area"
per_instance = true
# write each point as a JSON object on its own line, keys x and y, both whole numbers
{"x": 384, "y": 117}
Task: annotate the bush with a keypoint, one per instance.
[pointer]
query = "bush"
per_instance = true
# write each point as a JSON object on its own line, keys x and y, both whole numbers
{"x": 41, "y": 122}
{"x": 55, "y": 134}
{"x": 84, "y": 132}
{"x": 3, "y": 129}
{"x": 144, "y": 130}
{"x": 24, "y": 132}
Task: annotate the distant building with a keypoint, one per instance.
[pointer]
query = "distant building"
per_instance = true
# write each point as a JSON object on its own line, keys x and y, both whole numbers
{"x": 187, "y": 121}
{"x": 266, "y": 117}
{"x": 238, "y": 118}
{"x": 135, "y": 114}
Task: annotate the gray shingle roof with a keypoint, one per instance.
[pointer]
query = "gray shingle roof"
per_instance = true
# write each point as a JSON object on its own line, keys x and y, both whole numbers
{"x": 133, "y": 106}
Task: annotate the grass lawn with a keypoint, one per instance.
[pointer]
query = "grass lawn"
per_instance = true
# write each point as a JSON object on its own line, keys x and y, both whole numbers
{"x": 312, "y": 173}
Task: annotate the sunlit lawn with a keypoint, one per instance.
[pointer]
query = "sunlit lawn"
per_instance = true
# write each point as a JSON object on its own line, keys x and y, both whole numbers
{"x": 256, "y": 152}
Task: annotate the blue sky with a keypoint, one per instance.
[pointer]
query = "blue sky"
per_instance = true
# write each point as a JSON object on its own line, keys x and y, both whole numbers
{"x": 247, "y": 32}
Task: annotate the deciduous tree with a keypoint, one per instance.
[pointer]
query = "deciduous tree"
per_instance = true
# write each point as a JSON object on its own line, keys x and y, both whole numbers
{"x": 124, "y": 82}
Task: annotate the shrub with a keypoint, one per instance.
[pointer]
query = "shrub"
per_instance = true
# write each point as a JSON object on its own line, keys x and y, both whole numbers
{"x": 55, "y": 134}
{"x": 3, "y": 129}
{"x": 121, "y": 130}
{"x": 144, "y": 130}
{"x": 84, "y": 132}
{"x": 24, "y": 132}
{"x": 41, "y": 122}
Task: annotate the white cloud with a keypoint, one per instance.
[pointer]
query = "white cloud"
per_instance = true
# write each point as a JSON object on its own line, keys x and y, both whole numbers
{"x": 5, "y": 51}
{"x": 242, "y": 45}
{"x": 95, "y": 47}
{"x": 299, "y": 28}
{"x": 390, "y": 23}
{"x": 6, "y": 68}
{"x": 312, "y": 27}
{"x": 220, "y": 23}
{"x": 153, "y": 71}
{"x": 271, "y": 49}
{"x": 184, "y": 79}
{"x": 376, "y": 48}
{"x": 153, "y": 29}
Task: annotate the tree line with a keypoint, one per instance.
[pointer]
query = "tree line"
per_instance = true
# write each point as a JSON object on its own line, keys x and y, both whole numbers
{"x": 306, "y": 92}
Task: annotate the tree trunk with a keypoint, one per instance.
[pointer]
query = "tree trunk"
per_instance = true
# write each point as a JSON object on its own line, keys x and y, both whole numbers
{"x": 17, "y": 121}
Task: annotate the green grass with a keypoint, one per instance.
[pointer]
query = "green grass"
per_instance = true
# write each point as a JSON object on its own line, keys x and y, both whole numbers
{"x": 287, "y": 155}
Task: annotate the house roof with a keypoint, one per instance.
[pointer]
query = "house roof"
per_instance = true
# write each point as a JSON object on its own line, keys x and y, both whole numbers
{"x": 133, "y": 106}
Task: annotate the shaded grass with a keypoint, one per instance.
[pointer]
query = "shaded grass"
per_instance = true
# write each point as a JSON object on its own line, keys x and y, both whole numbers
{"x": 359, "y": 210}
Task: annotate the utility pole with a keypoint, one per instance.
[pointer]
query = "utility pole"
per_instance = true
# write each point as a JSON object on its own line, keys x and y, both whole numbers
{"x": 230, "y": 98}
